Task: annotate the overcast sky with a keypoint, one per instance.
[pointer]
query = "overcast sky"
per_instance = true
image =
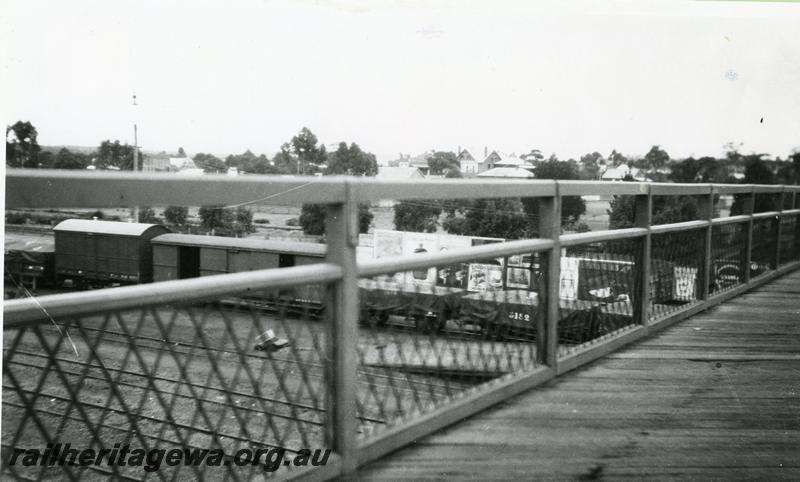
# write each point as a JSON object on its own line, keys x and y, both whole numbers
{"x": 406, "y": 76}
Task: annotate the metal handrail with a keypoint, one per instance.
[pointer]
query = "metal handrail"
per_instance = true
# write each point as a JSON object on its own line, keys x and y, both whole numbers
{"x": 41, "y": 309}
{"x": 341, "y": 271}
{"x": 103, "y": 189}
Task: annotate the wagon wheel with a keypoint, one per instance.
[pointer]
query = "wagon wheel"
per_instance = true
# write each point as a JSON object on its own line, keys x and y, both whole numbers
{"x": 383, "y": 317}
{"x": 493, "y": 331}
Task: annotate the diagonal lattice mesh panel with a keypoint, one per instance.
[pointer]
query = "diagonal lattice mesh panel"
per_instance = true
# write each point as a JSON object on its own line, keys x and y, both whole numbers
{"x": 728, "y": 256}
{"x": 764, "y": 247}
{"x": 597, "y": 292}
{"x": 676, "y": 271}
{"x": 430, "y": 335}
{"x": 170, "y": 377}
{"x": 790, "y": 238}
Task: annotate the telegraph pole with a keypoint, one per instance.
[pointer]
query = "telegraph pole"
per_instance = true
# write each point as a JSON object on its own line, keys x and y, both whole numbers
{"x": 135, "y": 157}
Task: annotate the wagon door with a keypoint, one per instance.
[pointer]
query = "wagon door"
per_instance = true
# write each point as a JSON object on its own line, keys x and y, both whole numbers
{"x": 188, "y": 262}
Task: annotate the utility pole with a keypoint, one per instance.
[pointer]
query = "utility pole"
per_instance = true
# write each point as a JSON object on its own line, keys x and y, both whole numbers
{"x": 135, "y": 157}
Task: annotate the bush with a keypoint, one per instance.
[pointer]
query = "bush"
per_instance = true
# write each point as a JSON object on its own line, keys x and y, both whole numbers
{"x": 17, "y": 218}
{"x": 293, "y": 222}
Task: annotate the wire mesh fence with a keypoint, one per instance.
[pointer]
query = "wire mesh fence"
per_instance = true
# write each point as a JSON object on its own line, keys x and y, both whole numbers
{"x": 242, "y": 378}
{"x": 597, "y": 292}
{"x": 765, "y": 243}
{"x": 433, "y": 334}
{"x": 728, "y": 256}
{"x": 790, "y": 238}
{"x": 676, "y": 271}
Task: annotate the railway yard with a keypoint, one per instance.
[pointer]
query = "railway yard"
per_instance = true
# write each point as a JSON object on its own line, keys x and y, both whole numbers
{"x": 195, "y": 380}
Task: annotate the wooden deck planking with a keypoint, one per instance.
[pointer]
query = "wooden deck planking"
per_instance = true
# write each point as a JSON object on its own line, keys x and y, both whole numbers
{"x": 715, "y": 396}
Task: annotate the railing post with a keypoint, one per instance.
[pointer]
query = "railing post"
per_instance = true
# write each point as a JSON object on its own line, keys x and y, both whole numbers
{"x": 341, "y": 228}
{"x": 550, "y": 227}
{"x": 776, "y": 260}
{"x": 748, "y": 206}
{"x": 643, "y": 218}
{"x": 706, "y": 212}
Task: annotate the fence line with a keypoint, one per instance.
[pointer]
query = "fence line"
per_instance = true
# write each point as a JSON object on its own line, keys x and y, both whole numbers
{"x": 639, "y": 253}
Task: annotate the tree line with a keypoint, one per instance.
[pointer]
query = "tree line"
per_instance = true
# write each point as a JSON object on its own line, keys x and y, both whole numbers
{"x": 517, "y": 218}
{"x": 507, "y": 218}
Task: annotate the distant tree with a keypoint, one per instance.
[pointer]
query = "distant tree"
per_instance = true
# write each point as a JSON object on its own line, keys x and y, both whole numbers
{"x": 616, "y": 159}
{"x": 441, "y": 162}
{"x": 242, "y": 221}
{"x": 65, "y": 159}
{"x": 534, "y": 156}
{"x": 22, "y": 148}
{"x": 284, "y": 161}
{"x": 114, "y": 154}
{"x": 148, "y": 216}
{"x": 655, "y": 159}
{"x": 213, "y": 218}
{"x": 572, "y": 207}
{"x": 756, "y": 171}
{"x": 181, "y": 152}
{"x": 590, "y": 166}
{"x": 705, "y": 169}
{"x": 176, "y": 215}
{"x": 789, "y": 173}
{"x": 209, "y": 163}
{"x": 46, "y": 160}
{"x": 344, "y": 161}
{"x": 312, "y": 219}
{"x": 417, "y": 216}
{"x": 249, "y": 162}
{"x": 501, "y": 218}
{"x": 351, "y": 161}
{"x": 309, "y": 155}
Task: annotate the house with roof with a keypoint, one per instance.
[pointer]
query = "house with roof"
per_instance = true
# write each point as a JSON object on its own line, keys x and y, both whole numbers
{"x": 622, "y": 172}
{"x": 467, "y": 163}
{"x": 181, "y": 163}
{"x": 419, "y": 161}
{"x": 495, "y": 159}
{"x": 395, "y": 173}
{"x": 506, "y": 172}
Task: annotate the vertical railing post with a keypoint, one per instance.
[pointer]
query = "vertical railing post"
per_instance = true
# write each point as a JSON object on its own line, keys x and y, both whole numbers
{"x": 550, "y": 227}
{"x": 778, "y": 230}
{"x": 748, "y": 206}
{"x": 643, "y": 218}
{"x": 341, "y": 234}
{"x": 706, "y": 213}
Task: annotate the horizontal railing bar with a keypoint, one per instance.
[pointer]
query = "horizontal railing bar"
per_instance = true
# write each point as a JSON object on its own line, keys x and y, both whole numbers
{"x": 39, "y": 309}
{"x": 790, "y": 212}
{"x": 599, "y": 236}
{"x": 766, "y": 214}
{"x": 600, "y": 188}
{"x": 370, "y": 189}
{"x": 395, "y": 264}
{"x": 98, "y": 189}
{"x": 733, "y": 188}
{"x": 742, "y": 218}
{"x": 765, "y": 188}
{"x": 684, "y": 226}
{"x": 107, "y": 189}
{"x": 682, "y": 189}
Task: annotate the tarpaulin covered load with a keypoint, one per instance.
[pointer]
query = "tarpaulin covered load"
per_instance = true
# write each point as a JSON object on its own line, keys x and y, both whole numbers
{"x": 30, "y": 255}
{"x": 499, "y": 310}
{"x": 381, "y": 299}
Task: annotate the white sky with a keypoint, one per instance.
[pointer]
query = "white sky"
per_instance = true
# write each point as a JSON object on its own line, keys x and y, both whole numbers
{"x": 223, "y": 76}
